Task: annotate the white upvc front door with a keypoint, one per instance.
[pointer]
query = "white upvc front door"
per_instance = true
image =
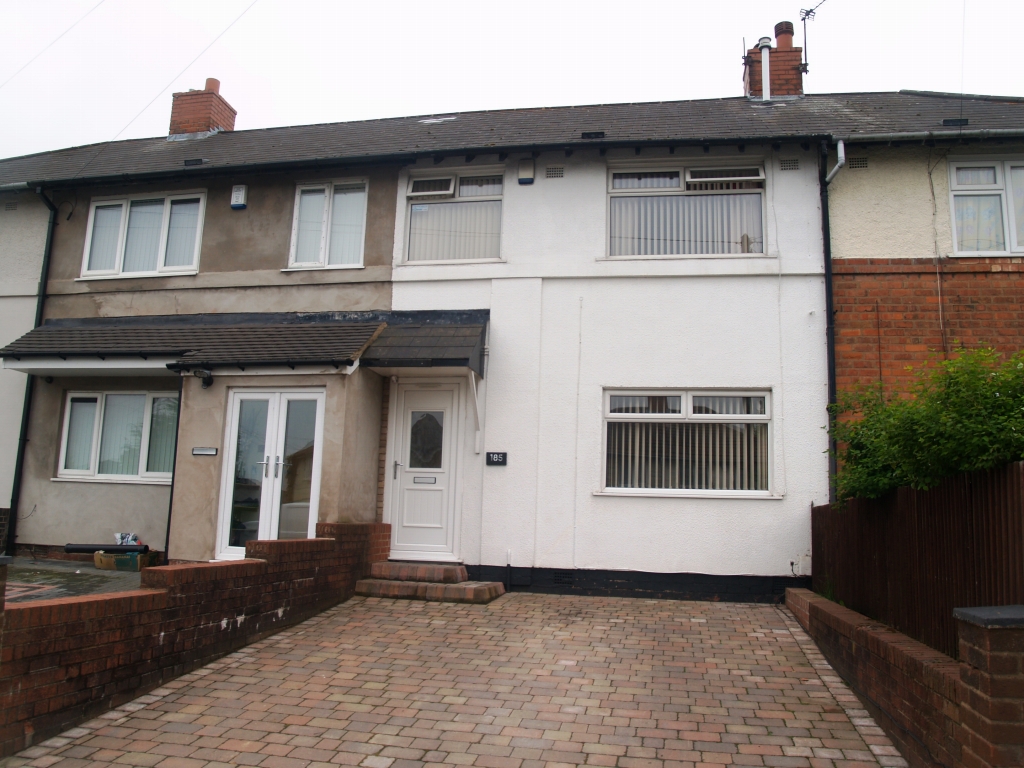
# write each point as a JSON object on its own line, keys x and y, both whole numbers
{"x": 424, "y": 462}
{"x": 271, "y": 477}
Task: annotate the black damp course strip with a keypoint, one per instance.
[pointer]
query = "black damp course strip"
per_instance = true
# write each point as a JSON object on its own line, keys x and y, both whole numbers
{"x": 644, "y": 584}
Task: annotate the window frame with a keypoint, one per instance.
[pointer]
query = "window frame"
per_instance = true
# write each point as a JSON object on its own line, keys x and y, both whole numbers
{"x": 325, "y": 225}
{"x": 1002, "y": 166}
{"x": 686, "y": 417}
{"x": 93, "y": 474}
{"x": 456, "y": 174}
{"x": 684, "y": 170}
{"x": 125, "y": 202}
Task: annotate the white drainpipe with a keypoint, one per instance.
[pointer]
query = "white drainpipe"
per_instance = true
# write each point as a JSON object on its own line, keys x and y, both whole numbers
{"x": 841, "y": 149}
{"x": 765, "y": 45}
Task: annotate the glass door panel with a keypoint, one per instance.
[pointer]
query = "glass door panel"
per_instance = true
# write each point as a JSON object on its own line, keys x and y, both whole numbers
{"x": 251, "y": 471}
{"x": 297, "y": 455}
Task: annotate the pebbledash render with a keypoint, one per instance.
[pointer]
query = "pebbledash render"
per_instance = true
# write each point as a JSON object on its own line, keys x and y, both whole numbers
{"x": 579, "y": 348}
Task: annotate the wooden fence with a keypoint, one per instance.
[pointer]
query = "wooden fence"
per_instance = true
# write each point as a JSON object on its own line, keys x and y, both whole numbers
{"x": 911, "y": 557}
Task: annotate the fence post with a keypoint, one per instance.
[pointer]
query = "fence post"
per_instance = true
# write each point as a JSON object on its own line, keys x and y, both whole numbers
{"x": 992, "y": 677}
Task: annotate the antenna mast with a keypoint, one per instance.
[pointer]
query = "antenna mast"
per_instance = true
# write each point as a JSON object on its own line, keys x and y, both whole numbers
{"x": 806, "y": 14}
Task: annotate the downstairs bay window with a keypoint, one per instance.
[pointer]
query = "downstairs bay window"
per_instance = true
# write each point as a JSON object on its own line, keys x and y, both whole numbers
{"x": 687, "y": 442}
{"x": 677, "y": 212}
{"x": 119, "y": 436}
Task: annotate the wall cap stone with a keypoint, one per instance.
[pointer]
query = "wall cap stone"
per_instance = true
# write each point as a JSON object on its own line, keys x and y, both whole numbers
{"x": 992, "y": 617}
{"x": 6, "y": 559}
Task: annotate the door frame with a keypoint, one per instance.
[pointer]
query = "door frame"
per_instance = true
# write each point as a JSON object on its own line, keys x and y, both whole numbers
{"x": 276, "y": 415}
{"x": 396, "y": 408}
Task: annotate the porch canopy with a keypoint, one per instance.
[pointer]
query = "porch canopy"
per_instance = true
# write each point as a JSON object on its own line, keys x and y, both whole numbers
{"x": 163, "y": 345}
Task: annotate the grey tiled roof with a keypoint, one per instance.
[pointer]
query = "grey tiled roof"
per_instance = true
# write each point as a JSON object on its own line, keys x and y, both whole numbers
{"x": 844, "y": 115}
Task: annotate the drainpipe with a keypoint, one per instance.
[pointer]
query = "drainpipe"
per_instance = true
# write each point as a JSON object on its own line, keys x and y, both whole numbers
{"x": 830, "y": 327}
{"x": 765, "y": 46}
{"x": 26, "y": 407}
{"x": 174, "y": 467}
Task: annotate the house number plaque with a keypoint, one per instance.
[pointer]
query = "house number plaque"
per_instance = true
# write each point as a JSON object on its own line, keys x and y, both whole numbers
{"x": 497, "y": 459}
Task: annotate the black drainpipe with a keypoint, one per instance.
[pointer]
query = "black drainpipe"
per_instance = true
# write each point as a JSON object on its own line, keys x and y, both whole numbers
{"x": 26, "y": 407}
{"x": 830, "y": 324}
{"x": 174, "y": 467}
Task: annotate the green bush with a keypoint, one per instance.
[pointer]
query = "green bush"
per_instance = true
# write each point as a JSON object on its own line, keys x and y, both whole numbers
{"x": 961, "y": 415}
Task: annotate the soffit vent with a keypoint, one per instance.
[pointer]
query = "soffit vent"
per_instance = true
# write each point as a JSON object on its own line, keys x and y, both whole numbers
{"x": 789, "y": 164}
{"x": 10, "y": 206}
{"x": 857, "y": 163}
{"x": 554, "y": 172}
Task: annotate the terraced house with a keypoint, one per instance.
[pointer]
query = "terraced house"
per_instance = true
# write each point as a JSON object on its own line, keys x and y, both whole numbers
{"x": 576, "y": 348}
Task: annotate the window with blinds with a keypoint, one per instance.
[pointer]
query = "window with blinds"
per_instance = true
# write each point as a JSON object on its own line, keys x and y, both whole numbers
{"x": 119, "y": 435}
{"x": 676, "y": 212}
{"x": 687, "y": 442}
{"x": 455, "y": 218}
{"x": 144, "y": 236}
{"x": 328, "y": 228}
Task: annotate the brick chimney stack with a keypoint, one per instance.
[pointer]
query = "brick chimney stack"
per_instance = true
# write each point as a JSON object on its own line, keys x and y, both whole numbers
{"x": 201, "y": 111}
{"x": 785, "y": 67}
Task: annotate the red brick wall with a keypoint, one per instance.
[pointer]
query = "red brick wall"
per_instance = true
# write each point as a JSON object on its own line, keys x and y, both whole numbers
{"x": 887, "y": 313}
{"x": 198, "y": 111}
{"x": 783, "y": 68}
{"x": 382, "y": 453}
{"x": 938, "y": 712}
{"x": 63, "y": 661}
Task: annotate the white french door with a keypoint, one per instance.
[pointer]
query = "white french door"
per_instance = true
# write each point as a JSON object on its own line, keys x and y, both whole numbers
{"x": 271, "y": 484}
{"x": 422, "y": 473}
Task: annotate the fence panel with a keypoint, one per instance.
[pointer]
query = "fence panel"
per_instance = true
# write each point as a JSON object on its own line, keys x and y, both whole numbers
{"x": 911, "y": 557}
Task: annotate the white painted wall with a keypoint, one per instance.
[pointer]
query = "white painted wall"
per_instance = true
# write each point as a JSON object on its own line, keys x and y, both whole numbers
{"x": 22, "y": 239}
{"x": 565, "y": 324}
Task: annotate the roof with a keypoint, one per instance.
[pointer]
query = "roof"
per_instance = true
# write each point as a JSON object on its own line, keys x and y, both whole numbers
{"x": 843, "y": 115}
{"x": 323, "y": 338}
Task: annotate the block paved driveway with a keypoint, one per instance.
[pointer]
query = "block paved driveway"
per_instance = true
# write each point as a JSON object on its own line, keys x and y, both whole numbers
{"x": 527, "y": 681}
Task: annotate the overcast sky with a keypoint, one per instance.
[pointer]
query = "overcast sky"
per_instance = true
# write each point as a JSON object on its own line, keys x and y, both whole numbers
{"x": 288, "y": 62}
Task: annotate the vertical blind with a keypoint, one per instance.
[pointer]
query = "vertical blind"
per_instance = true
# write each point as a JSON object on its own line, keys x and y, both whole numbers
{"x": 1017, "y": 195}
{"x": 121, "y": 438}
{"x": 455, "y": 230}
{"x": 687, "y": 456}
{"x": 310, "y": 226}
{"x": 81, "y": 422}
{"x": 142, "y": 241}
{"x": 663, "y": 225}
{"x": 181, "y": 233}
{"x": 106, "y": 229}
{"x": 347, "y": 216}
{"x": 163, "y": 423}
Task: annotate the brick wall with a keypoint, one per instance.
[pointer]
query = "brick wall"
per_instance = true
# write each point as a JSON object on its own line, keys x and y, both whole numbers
{"x": 200, "y": 111}
{"x": 382, "y": 456}
{"x": 888, "y": 313}
{"x": 783, "y": 69}
{"x": 63, "y": 661}
{"x": 926, "y": 702}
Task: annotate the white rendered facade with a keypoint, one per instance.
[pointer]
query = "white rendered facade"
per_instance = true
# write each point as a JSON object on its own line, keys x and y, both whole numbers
{"x": 568, "y": 324}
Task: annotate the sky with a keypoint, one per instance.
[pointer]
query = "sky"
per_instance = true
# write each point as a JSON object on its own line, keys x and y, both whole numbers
{"x": 291, "y": 62}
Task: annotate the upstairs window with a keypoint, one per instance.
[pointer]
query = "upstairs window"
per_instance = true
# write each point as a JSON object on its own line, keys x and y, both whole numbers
{"x": 687, "y": 442}
{"x": 329, "y": 225}
{"x": 988, "y": 207}
{"x": 675, "y": 212}
{"x": 455, "y": 218}
{"x": 119, "y": 435}
{"x": 144, "y": 235}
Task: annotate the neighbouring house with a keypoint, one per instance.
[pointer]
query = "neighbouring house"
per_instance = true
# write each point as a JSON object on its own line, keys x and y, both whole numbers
{"x": 24, "y": 218}
{"x": 927, "y": 226}
{"x": 583, "y": 346}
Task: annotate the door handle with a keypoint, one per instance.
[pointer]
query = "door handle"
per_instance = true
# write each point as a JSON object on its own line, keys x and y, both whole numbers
{"x": 266, "y": 465}
{"x": 280, "y": 464}
{"x": 397, "y": 465}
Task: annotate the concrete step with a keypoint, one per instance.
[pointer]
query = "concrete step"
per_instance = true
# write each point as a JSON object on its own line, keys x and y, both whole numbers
{"x": 464, "y": 592}
{"x": 433, "y": 572}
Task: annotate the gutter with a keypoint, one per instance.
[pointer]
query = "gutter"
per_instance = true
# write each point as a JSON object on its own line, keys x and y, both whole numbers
{"x": 26, "y": 407}
{"x": 978, "y": 133}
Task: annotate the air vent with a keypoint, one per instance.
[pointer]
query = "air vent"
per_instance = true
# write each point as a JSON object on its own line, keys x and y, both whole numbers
{"x": 563, "y": 579}
{"x": 857, "y": 163}
{"x": 195, "y": 161}
{"x": 10, "y": 206}
{"x": 554, "y": 172}
{"x": 955, "y": 122}
{"x": 593, "y": 134}
{"x": 789, "y": 164}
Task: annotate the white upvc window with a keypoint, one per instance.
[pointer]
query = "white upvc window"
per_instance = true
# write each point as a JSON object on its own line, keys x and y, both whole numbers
{"x": 455, "y": 217}
{"x": 687, "y": 442}
{"x": 144, "y": 235}
{"x": 676, "y": 211}
{"x": 987, "y": 201}
{"x": 119, "y": 435}
{"x": 329, "y": 225}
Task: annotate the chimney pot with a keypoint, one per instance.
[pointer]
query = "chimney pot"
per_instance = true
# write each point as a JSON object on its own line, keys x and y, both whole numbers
{"x": 784, "y": 35}
{"x": 213, "y": 84}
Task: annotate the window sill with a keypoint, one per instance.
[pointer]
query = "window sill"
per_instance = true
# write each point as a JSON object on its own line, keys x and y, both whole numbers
{"x": 136, "y": 275}
{"x": 688, "y": 256}
{"x": 665, "y": 494}
{"x": 988, "y": 255}
{"x": 449, "y": 262}
{"x": 318, "y": 268}
{"x": 113, "y": 480}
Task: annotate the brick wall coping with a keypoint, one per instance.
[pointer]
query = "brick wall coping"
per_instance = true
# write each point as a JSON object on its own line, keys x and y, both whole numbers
{"x": 881, "y": 266}
{"x": 1001, "y": 616}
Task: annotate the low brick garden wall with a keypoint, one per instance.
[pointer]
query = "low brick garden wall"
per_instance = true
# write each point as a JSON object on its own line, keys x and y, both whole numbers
{"x": 64, "y": 661}
{"x": 938, "y": 711}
